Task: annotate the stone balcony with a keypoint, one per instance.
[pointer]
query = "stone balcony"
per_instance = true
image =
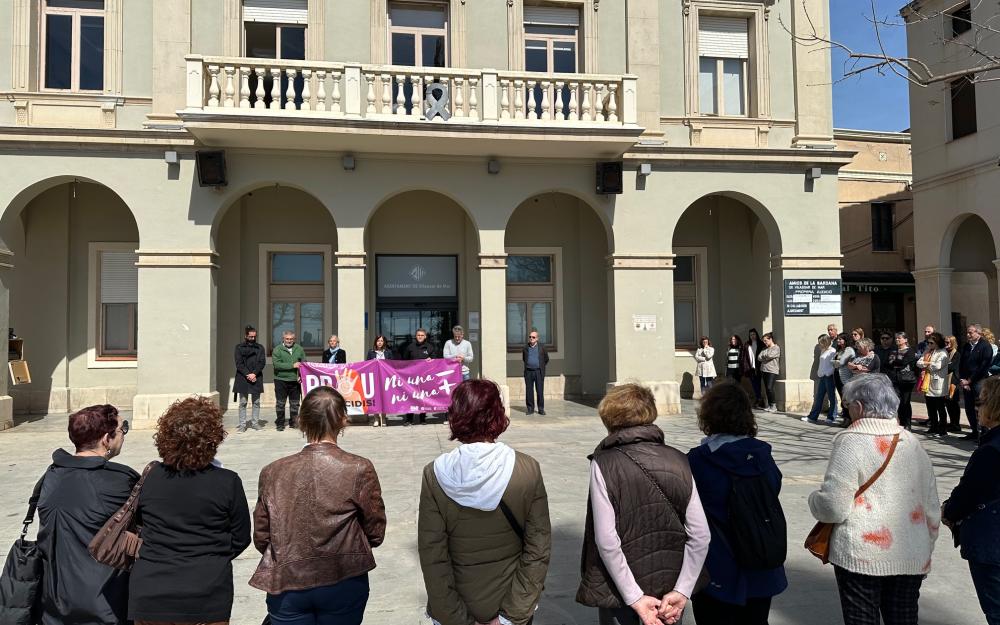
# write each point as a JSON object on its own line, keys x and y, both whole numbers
{"x": 384, "y": 108}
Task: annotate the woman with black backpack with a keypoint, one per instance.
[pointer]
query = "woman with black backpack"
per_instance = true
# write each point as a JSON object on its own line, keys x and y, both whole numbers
{"x": 739, "y": 483}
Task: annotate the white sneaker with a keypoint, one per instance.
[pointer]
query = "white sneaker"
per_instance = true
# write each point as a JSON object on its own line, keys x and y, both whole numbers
{"x": 772, "y": 408}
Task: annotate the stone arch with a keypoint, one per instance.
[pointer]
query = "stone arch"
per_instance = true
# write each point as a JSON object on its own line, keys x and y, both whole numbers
{"x": 602, "y": 216}
{"x": 234, "y": 195}
{"x": 974, "y": 230}
{"x": 392, "y": 195}
{"x": 759, "y": 210}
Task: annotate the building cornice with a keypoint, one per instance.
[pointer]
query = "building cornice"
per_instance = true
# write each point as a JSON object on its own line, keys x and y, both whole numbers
{"x": 77, "y": 138}
{"x": 798, "y": 156}
{"x": 878, "y": 136}
{"x": 875, "y": 176}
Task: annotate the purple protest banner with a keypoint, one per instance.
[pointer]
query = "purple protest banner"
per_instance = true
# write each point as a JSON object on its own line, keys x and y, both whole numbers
{"x": 387, "y": 386}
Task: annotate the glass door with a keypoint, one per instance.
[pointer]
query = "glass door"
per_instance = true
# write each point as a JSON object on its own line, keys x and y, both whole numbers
{"x": 400, "y": 326}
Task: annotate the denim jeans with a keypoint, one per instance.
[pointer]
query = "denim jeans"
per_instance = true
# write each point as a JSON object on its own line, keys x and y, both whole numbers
{"x": 340, "y": 604}
{"x": 986, "y": 578}
{"x": 706, "y": 383}
{"x": 825, "y": 387}
{"x": 255, "y": 414}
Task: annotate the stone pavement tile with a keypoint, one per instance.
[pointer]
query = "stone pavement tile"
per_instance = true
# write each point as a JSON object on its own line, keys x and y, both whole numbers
{"x": 560, "y": 441}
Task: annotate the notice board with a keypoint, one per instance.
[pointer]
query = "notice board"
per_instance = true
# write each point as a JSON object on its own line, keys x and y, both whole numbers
{"x": 805, "y": 297}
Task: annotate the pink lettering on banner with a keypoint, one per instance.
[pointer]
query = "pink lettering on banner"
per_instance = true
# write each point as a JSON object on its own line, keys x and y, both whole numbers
{"x": 387, "y": 386}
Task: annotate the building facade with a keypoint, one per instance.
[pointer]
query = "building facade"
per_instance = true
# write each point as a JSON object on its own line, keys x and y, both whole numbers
{"x": 956, "y": 178}
{"x": 876, "y": 232}
{"x": 394, "y": 164}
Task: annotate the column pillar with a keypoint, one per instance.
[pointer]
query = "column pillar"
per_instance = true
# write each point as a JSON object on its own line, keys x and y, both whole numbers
{"x": 172, "y": 42}
{"x": 641, "y": 320}
{"x": 796, "y": 335}
{"x": 6, "y": 401}
{"x": 177, "y": 330}
{"x": 933, "y": 287}
{"x": 493, "y": 320}
{"x": 813, "y": 98}
{"x": 351, "y": 300}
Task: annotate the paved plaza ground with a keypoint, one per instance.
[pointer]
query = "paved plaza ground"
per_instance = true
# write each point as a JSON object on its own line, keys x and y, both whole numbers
{"x": 560, "y": 441}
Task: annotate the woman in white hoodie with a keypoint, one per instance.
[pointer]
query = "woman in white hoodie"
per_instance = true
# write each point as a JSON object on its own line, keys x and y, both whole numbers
{"x": 483, "y": 531}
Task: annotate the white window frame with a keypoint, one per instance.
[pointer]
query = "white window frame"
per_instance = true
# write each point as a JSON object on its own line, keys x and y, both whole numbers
{"x": 720, "y": 89}
{"x": 264, "y": 251}
{"x": 75, "y": 14}
{"x": 279, "y": 27}
{"x": 94, "y": 316}
{"x": 419, "y": 32}
{"x": 551, "y": 39}
{"x": 698, "y": 292}
{"x": 557, "y": 314}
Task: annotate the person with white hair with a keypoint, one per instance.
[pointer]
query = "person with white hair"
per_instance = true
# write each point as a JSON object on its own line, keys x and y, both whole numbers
{"x": 883, "y": 537}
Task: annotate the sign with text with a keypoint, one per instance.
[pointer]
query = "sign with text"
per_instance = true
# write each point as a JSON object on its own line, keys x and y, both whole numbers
{"x": 813, "y": 296}
{"x": 387, "y": 386}
{"x": 416, "y": 277}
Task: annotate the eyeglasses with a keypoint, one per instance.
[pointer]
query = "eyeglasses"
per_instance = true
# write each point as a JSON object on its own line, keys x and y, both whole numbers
{"x": 533, "y": 336}
{"x": 124, "y": 427}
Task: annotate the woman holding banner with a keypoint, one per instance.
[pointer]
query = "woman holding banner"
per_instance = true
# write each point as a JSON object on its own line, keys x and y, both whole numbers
{"x": 381, "y": 350}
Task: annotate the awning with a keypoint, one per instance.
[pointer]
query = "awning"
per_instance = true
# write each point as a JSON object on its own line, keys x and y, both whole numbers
{"x": 878, "y": 282}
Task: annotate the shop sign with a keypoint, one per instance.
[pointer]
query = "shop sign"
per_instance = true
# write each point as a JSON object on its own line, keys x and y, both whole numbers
{"x": 416, "y": 277}
{"x": 878, "y": 288}
{"x": 813, "y": 296}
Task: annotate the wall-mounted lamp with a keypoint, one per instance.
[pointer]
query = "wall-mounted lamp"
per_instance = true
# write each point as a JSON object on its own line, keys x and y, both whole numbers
{"x": 645, "y": 169}
{"x": 814, "y": 173}
{"x": 493, "y": 166}
{"x": 171, "y": 157}
{"x": 349, "y": 162}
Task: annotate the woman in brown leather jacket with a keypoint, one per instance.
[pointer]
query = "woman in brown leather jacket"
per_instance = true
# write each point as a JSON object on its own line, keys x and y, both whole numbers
{"x": 319, "y": 515}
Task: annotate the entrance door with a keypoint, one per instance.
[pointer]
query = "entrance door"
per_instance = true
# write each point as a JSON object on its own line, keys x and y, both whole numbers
{"x": 400, "y": 326}
{"x": 887, "y": 313}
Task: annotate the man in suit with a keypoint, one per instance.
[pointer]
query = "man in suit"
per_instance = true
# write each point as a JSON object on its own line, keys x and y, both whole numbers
{"x": 535, "y": 358}
{"x": 973, "y": 367}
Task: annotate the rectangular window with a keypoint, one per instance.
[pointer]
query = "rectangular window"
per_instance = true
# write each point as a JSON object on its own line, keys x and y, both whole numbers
{"x": 275, "y": 29}
{"x": 118, "y": 308}
{"x": 883, "y": 216}
{"x": 963, "y": 107}
{"x": 418, "y": 34}
{"x": 961, "y": 20}
{"x": 551, "y": 45}
{"x": 723, "y": 51}
{"x": 73, "y": 48}
{"x": 531, "y": 297}
{"x": 296, "y": 298}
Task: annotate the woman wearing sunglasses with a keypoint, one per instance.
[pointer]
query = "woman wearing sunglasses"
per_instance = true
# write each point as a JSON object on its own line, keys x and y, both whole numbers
{"x": 80, "y": 491}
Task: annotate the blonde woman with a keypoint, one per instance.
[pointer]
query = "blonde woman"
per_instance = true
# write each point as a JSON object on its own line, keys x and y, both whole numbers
{"x": 991, "y": 339}
{"x": 951, "y": 402}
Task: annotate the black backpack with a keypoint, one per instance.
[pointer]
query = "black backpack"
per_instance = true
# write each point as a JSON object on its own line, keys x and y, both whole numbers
{"x": 758, "y": 535}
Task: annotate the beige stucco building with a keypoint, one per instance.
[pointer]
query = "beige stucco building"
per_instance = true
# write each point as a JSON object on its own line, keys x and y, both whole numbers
{"x": 396, "y": 164}
{"x": 876, "y": 232}
{"x": 956, "y": 178}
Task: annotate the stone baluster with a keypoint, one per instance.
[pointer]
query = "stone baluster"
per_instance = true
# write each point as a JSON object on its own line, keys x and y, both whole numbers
{"x": 320, "y": 90}
{"x": 532, "y": 104}
{"x": 474, "y": 99}
{"x": 546, "y": 114}
{"x": 459, "y": 87}
{"x": 370, "y": 79}
{"x": 573, "y": 116}
{"x": 599, "y": 102}
{"x": 416, "y": 100}
{"x": 558, "y": 112}
{"x": 504, "y": 99}
{"x": 587, "y": 113}
{"x": 613, "y": 103}
{"x": 290, "y": 76}
{"x": 259, "y": 90}
{"x": 386, "y": 81}
{"x": 400, "y": 95}
{"x": 244, "y": 87}
{"x": 275, "y": 89}
{"x": 307, "y": 90}
{"x": 519, "y": 99}
{"x": 230, "y": 88}
{"x": 213, "y": 86}
{"x": 335, "y": 95}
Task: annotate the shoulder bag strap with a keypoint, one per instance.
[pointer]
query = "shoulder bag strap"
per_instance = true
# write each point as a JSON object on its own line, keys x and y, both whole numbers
{"x": 881, "y": 469}
{"x": 656, "y": 485}
{"x": 512, "y": 520}
{"x": 133, "y": 499}
{"x": 36, "y": 493}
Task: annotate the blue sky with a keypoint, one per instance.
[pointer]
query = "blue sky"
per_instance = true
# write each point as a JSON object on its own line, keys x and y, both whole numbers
{"x": 869, "y": 101}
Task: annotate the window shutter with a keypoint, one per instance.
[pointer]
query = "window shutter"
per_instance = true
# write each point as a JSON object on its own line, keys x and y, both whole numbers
{"x": 551, "y": 16}
{"x": 276, "y": 11}
{"x": 119, "y": 278}
{"x": 723, "y": 37}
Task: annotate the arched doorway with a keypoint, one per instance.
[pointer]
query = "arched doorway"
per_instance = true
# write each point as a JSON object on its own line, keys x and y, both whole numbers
{"x": 969, "y": 249}
{"x": 422, "y": 257}
{"x": 557, "y": 284}
{"x": 276, "y": 250}
{"x": 722, "y": 278}
{"x": 74, "y": 295}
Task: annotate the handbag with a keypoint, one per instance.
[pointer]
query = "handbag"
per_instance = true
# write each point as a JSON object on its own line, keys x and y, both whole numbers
{"x": 117, "y": 543}
{"x": 818, "y": 540}
{"x": 21, "y": 580}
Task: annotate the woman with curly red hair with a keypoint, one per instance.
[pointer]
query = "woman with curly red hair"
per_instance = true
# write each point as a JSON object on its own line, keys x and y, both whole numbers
{"x": 195, "y": 521}
{"x": 483, "y": 531}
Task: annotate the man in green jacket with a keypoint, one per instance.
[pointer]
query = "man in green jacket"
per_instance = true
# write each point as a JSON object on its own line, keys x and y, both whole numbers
{"x": 286, "y": 358}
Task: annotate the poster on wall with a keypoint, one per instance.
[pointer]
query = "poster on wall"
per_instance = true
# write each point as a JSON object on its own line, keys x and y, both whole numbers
{"x": 807, "y": 297}
{"x": 416, "y": 277}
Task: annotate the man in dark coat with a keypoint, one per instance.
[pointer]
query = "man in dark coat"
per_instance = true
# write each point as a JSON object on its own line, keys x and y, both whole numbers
{"x": 250, "y": 361}
{"x": 973, "y": 367}
{"x": 420, "y": 349}
{"x": 535, "y": 358}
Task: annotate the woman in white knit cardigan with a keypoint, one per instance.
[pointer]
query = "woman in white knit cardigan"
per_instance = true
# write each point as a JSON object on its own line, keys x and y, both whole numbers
{"x": 882, "y": 543}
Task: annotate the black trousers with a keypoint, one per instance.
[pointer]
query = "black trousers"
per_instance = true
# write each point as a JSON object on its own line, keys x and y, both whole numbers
{"x": 710, "y": 611}
{"x": 621, "y": 616}
{"x": 905, "y": 392}
{"x": 970, "y": 396}
{"x": 769, "y": 379}
{"x": 864, "y": 597}
{"x": 954, "y": 412}
{"x": 290, "y": 392}
{"x": 734, "y": 375}
{"x": 534, "y": 382}
{"x": 937, "y": 414}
